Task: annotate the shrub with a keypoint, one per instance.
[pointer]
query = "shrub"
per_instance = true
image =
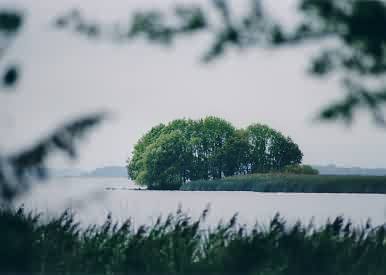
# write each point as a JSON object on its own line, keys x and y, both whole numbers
{"x": 300, "y": 170}
{"x": 281, "y": 182}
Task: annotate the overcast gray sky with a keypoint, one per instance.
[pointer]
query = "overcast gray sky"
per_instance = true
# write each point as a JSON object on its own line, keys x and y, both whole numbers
{"x": 65, "y": 75}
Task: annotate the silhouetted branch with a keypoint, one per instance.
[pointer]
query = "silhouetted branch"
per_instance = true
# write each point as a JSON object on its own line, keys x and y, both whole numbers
{"x": 357, "y": 26}
{"x": 17, "y": 171}
{"x": 163, "y": 28}
{"x": 10, "y": 24}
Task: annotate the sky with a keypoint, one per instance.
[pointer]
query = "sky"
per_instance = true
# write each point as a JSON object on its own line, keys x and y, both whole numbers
{"x": 65, "y": 75}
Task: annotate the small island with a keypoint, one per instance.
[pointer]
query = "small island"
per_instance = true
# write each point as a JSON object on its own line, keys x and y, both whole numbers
{"x": 210, "y": 154}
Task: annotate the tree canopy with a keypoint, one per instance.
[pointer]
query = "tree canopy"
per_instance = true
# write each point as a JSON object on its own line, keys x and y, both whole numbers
{"x": 211, "y": 148}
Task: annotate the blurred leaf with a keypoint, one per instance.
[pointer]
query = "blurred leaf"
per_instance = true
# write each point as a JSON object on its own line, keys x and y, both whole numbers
{"x": 10, "y": 21}
{"x": 359, "y": 99}
{"x": 151, "y": 25}
{"x": 192, "y": 18}
{"x": 342, "y": 109}
{"x": 16, "y": 171}
{"x": 223, "y": 8}
{"x": 11, "y": 76}
{"x": 357, "y": 27}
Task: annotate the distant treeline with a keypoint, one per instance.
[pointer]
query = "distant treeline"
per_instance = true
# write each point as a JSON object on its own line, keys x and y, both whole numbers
{"x": 335, "y": 170}
{"x": 107, "y": 172}
{"x": 180, "y": 245}
{"x": 211, "y": 148}
{"x": 293, "y": 183}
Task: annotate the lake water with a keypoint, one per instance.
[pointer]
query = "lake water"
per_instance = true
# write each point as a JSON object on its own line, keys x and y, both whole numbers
{"x": 93, "y": 198}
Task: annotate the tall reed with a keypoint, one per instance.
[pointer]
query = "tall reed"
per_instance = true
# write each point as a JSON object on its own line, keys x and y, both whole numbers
{"x": 292, "y": 183}
{"x": 179, "y": 245}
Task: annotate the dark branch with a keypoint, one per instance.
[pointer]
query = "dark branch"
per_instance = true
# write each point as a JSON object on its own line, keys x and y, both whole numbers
{"x": 18, "y": 170}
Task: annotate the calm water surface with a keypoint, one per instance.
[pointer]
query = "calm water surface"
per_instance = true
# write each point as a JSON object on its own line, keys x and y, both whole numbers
{"x": 93, "y": 198}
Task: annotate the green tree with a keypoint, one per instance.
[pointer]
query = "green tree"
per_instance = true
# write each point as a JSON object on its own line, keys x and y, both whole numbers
{"x": 204, "y": 140}
{"x": 283, "y": 152}
{"x": 270, "y": 150}
{"x": 210, "y": 148}
{"x": 136, "y": 164}
{"x": 211, "y": 135}
{"x": 166, "y": 162}
{"x": 236, "y": 154}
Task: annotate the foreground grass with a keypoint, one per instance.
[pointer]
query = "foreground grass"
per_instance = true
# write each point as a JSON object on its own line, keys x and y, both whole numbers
{"x": 293, "y": 183}
{"x": 177, "y": 245}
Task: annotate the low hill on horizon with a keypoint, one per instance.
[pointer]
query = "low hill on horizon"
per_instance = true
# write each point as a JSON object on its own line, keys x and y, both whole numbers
{"x": 106, "y": 171}
{"x": 121, "y": 171}
{"x": 349, "y": 171}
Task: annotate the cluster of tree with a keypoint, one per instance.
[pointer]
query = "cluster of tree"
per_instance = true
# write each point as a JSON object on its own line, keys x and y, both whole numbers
{"x": 211, "y": 148}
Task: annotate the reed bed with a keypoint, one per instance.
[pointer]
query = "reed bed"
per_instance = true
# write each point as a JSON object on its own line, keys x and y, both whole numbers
{"x": 293, "y": 183}
{"x": 178, "y": 245}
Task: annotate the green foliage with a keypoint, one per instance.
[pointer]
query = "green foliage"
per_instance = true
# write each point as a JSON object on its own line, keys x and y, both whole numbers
{"x": 168, "y": 156}
{"x": 284, "y": 182}
{"x": 180, "y": 245}
{"x": 208, "y": 142}
{"x": 270, "y": 150}
{"x": 211, "y": 148}
{"x": 167, "y": 161}
{"x": 236, "y": 153}
{"x": 300, "y": 169}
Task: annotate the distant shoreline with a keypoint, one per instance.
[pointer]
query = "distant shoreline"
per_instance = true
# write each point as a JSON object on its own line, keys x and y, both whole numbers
{"x": 121, "y": 172}
{"x": 103, "y": 172}
{"x": 91, "y": 177}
